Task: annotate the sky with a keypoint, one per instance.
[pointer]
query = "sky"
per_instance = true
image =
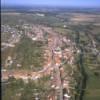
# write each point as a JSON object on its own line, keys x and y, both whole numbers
{"x": 67, "y": 3}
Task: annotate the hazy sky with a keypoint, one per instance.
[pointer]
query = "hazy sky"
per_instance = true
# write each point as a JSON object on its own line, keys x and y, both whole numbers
{"x": 80, "y": 3}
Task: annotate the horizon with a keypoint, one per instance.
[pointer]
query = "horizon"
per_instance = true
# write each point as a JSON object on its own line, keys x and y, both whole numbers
{"x": 52, "y": 3}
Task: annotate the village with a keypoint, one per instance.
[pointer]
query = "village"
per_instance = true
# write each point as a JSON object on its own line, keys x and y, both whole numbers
{"x": 54, "y": 56}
